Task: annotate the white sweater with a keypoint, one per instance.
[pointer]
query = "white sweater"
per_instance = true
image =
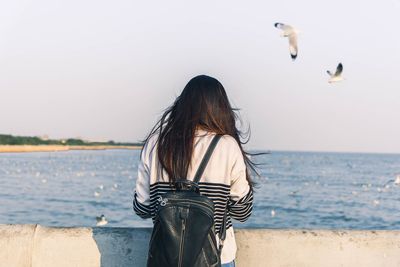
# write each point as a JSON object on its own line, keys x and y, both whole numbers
{"x": 223, "y": 181}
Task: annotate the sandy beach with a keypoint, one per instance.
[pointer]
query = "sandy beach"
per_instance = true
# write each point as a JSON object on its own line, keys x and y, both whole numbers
{"x": 54, "y": 148}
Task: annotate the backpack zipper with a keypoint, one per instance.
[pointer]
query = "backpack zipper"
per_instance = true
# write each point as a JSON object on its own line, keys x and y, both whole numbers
{"x": 202, "y": 205}
{"x": 182, "y": 243}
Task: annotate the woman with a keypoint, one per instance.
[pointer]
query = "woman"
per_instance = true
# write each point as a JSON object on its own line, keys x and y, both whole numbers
{"x": 175, "y": 147}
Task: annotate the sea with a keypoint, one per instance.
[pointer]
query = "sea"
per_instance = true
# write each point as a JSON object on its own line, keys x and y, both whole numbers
{"x": 297, "y": 190}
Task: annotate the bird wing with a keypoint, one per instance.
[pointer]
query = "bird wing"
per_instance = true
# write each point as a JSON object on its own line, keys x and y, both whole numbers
{"x": 388, "y": 182}
{"x": 293, "y": 45}
{"x": 339, "y": 69}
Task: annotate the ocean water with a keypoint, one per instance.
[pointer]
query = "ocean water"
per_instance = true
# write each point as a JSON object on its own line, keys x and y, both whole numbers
{"x": 295, "y": 190}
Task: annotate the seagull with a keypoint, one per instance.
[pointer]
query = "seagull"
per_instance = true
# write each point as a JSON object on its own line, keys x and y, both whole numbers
{"x": 101, "y": 220}
{"x": 291, "y": 33}
{"x": 395, "y": 181}
{"x": 273, "y": 213}
{"x": 115, "y": 187}
{"x": 96, "y": 194}
{"x": 337, "y": 76}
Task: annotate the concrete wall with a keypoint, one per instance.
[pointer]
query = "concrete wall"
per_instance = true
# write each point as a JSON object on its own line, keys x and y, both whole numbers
{"x": 38, "y": 246}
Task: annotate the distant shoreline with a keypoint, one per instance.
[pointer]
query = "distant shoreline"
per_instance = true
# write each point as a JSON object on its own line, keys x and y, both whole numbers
{"x": 56, "y": 148}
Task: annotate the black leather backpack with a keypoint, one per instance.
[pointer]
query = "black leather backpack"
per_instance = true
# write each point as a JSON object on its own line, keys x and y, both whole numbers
{"x": 184, "y": 230}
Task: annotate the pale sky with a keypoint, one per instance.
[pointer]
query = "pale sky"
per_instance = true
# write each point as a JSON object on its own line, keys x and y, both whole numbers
{"x": 107, "y": 69}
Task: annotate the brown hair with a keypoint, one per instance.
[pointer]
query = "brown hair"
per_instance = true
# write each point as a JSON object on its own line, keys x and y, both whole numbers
{"x": 203, "y": 104}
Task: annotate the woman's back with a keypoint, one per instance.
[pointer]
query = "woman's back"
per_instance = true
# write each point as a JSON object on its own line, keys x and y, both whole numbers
{"x": 176, "y": 145}
{"x": 223, "y": 181}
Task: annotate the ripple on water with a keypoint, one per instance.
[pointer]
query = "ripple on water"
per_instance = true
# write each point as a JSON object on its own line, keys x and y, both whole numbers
{"x": 305, "y": 190}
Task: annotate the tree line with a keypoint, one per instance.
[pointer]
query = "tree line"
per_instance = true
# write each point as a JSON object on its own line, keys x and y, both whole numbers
{"x": 7, "y": 139}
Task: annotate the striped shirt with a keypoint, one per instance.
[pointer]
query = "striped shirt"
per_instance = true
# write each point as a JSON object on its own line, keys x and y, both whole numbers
{"x": 223, "y": 181}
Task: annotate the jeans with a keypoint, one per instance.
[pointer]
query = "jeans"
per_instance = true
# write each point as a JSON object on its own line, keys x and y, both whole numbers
{"x": 229, "y": 264}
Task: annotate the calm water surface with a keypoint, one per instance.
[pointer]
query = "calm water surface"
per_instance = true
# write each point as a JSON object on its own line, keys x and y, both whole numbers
{"x": 301, "y": 189}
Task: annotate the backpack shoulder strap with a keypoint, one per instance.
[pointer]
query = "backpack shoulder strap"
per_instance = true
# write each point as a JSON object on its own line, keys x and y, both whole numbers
{"x": 206, "y": 158}
{"x": 199, "y": 173}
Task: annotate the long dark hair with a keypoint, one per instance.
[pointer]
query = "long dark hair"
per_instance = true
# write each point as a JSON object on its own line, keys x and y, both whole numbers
{"x": 202, "y": 104}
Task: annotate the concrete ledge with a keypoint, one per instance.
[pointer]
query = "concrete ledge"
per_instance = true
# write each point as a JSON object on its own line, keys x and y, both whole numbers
{"x": 38, "y": 246}
{"x": 16, "y": 244}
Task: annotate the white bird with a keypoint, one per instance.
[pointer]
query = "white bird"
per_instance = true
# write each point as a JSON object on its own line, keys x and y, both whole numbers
{"x": 115, "y": 186}
{"x": 273, "y": 213}
{"x": 395, "y": 181}
{"x": 337, "y": 76}
{"x": 291, "y": 33}
{"x": 96, "y": 194}
{"x": 101, "y": 220}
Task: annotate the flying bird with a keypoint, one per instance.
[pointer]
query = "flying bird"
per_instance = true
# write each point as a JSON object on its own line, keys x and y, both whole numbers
{"x": 395, "y": 181}
{"x": 101, "y": 220}
{"x": 291, "y": 33}
{"x": 337, "y": 76}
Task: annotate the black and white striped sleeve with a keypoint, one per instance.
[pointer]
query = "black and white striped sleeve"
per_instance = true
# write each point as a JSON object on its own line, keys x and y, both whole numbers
{"x": 241, "y": 210}
{"x": 140, "y": 209}
{"x": 240, "y": 203}
{"x": 141, "y": 199}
